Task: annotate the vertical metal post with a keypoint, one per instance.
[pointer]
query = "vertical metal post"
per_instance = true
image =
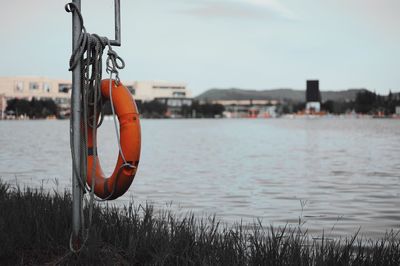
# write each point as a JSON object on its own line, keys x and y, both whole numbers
{"x": 117, "y": 16}
{"x": 77, "y": 193}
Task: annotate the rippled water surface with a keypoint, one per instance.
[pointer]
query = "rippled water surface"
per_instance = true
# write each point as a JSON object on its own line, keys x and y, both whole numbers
{"x": 337, "y": 174}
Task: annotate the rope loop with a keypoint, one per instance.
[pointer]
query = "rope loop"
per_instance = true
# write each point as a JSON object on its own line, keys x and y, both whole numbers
{"x": 114, "y": 63}
{"x": 116, "y": 60}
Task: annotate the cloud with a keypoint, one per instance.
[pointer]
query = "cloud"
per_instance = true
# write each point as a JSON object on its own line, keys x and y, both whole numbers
{"x": 272, "y": 5}
{"x": 251, "y": 9}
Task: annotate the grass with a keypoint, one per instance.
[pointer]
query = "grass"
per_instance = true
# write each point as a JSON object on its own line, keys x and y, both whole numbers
{"x": 35, "y": 230}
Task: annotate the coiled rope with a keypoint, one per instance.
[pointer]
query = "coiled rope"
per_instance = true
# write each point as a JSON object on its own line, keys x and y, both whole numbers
{"x": 89, "y": 52}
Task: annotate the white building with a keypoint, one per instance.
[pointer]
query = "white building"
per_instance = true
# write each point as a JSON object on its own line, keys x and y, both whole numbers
{"x": 38, "y": 87}
{"x": 174, "y": 95}
{"x": 150, "y": 90}
{"x": 59, "y": 90}
{"x": 28, "y": 87}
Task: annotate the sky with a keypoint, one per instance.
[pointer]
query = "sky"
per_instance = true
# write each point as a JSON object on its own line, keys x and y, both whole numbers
{"x": 250, "y": 44}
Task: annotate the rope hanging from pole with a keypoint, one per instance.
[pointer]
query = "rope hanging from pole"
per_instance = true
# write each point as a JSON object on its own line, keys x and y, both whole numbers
{"x": 89, "y": 52}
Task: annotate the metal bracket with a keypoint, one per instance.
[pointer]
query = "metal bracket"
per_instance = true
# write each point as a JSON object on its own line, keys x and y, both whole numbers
{"x": 117, "y": 11}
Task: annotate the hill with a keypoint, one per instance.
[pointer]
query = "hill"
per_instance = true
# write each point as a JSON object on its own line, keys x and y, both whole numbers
{"x": 275, "y": 94}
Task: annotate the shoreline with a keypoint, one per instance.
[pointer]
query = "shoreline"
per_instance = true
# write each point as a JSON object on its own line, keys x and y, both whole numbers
{"x": 36, "y": 229}
{"x": 286, "y": 116}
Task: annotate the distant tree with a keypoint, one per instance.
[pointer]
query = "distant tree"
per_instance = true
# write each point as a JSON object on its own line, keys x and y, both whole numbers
{"x": 33, "y": 109}
{"x": 286, "y": 109}
{"x": 328, "y": 106}
{"x": 365, "y": 102}
{"x": 207, "y": 110}
{"x": 370, "y": 102}
{"x": 297, "y": 107}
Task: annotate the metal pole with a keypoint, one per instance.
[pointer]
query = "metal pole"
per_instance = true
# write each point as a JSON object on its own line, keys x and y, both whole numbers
{"x": 77, "y": 193}
{"x": 117, "y": 15}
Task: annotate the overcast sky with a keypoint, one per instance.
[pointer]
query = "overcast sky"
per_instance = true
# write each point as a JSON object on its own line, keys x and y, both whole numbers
{"x": 254, "y": 44}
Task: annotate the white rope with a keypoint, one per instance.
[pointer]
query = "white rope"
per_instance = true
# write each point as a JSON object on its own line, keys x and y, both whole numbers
{"x": 112, "y": 68}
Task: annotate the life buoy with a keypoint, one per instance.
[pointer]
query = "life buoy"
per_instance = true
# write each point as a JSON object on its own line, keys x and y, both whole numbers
{"x": 130, "y": 140}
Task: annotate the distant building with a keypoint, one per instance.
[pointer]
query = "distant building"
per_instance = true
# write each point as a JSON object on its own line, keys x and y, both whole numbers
{"x": 397, "y": 110}
{"x": 313, "y": 97}
{"x": 150, "y": 90}
{"x": 174, "y": 95}
{"x": 249, "y": 102}
{"x": 246, "y": 108}
{"x": 34, "y": 87}
{"x": 175, "y": 105}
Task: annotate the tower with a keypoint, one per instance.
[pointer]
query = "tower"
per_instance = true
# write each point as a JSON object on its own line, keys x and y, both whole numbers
{"x": 313, "y": 97}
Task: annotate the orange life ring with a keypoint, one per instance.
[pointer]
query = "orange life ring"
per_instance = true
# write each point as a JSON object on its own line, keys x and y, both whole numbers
{"x": 130, "y": 140}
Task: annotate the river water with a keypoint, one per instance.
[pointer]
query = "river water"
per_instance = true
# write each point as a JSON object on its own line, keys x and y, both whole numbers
{"x": 337, "y": 174}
